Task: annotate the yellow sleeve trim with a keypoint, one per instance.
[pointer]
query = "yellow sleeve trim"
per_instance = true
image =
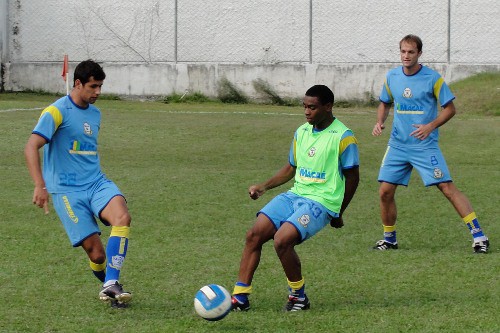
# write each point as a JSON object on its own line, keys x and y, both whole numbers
{"x": 120, "y": 231}
{"x": 55, "y": 113}
{"x": 437, "y": 88}
{"x": 345, "y": 142}
{"x": 388, "y": 89}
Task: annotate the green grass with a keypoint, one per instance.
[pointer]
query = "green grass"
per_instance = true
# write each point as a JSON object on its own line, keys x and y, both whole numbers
{"x": 185, "y": 169}
{"x": 478, "y": 94}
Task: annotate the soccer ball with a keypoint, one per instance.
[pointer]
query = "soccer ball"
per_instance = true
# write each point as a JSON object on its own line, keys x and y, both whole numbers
{"x": 212, "y": 302}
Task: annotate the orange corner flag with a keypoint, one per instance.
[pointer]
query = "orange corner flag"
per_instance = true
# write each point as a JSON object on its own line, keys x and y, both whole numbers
{"x": 65, "y": 68}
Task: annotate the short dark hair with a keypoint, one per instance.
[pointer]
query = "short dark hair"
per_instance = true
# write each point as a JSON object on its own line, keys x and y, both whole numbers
{"x": 412, "y": 39}
{"x": 87, "y": 69}
{"x": 322, "y": 92}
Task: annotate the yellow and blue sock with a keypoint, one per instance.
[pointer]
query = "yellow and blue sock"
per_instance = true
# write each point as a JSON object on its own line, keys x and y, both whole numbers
{"x": 297, "y": 288}
{"x": 99, "y": 270}
{"x": 390, "y": 234}
{"x": 474, "y": 227}
{"x": 241, "y": 291}
{"x": 116, "y": 251}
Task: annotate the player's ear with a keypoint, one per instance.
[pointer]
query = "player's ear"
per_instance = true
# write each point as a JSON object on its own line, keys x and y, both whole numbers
{"x": 77, "y": 83}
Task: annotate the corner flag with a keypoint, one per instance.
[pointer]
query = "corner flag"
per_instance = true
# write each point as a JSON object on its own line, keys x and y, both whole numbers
{"x": 65, "y": 73}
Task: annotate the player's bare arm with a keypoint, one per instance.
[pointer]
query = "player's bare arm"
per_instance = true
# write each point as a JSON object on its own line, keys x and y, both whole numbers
{"x": 351, "y": 185}
{"x": 424, "y": 130}
{"x": 286, "y": 173}
{"x": 382, "y": 114}
{"x": 31, "y": 153}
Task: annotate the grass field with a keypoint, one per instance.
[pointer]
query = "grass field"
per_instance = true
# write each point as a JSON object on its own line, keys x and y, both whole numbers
{"x": 185, "y": 169}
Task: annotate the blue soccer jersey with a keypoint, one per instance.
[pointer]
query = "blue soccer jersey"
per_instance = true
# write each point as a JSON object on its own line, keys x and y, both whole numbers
{"x": 70, "y": 160}
{"x": 415, "y": 99}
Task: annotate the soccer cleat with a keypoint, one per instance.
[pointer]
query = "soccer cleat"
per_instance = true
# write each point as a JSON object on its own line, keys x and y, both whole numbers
{"x": 238, "y": 306}
{"x": 296, "y": 304}
{"x": 384, "y": 245}
{"x": 481, "y": 246}
{"x": 115, "y": 292}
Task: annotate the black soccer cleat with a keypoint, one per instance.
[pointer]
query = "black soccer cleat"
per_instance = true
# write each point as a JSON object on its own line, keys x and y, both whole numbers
{"x": 115, "y": 292}
{"x": 481, "y": 246}
{"x": 238, "y": 306}
{"x": 384, "y": 245}
{"x": 297, "y": 304}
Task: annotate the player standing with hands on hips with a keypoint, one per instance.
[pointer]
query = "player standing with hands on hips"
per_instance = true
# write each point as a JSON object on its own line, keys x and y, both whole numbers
{"x": 68, "y": 131}
{"x": 324, "y": 161}
{"x": 416, "y": 90}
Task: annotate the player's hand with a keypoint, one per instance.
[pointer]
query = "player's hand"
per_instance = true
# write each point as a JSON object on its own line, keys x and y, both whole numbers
{"x": 377, "y": 129}
{"x": 41, "y": 198}
{"x": 337, "y": 222}
{"x": 422, "y": 131}
{"x": 256, "y": 191}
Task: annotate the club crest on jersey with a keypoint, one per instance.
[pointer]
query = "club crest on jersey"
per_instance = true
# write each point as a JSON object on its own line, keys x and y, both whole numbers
{"x": 86, "y": 129}
{"x": 312, "y": 152}
{"x": 304, "y": 220}
{"x": 407, "y": 93}
{"x": 438, "y": 173}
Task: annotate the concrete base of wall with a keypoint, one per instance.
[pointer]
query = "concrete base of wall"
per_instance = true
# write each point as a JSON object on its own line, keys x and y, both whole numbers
{"x": 348, "y": 81}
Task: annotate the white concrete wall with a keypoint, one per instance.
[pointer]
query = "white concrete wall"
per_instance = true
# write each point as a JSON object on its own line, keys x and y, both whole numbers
{"x": 157, "y": 47}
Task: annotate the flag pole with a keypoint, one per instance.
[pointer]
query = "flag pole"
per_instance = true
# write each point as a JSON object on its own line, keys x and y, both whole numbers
{"x": 67, "y": 84}
{"x": 65, "y": 73}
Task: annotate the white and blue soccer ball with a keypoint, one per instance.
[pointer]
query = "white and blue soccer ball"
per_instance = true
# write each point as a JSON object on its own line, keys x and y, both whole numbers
{"x": 212, "y": 302}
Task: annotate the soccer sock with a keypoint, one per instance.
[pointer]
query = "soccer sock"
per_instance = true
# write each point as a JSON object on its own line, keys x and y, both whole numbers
{"x": 473, "y": 225}
{"x": 115, "y": 253}
{"x": 297, "y": 288}
{"x": 390, "y": 234}
{"x": 241, "y": 291}
{"x": 99, "y": 270}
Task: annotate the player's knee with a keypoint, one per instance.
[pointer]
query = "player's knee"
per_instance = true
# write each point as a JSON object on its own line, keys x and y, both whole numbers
{"x": 385, "y": 195}
{"x": 282, "y": 245}
{"x": 97, "y": 258}
{"x": 96, "y": 255}
{"x": 253, "y": 238}
{"x": 122, "y": 220}
{"x": 448, "y": 189}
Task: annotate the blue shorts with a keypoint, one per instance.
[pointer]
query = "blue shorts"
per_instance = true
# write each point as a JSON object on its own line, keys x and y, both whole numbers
{"x": 306, "y": 215}
{"x": 78, "y": 210}
{"x": 398, "y": 164}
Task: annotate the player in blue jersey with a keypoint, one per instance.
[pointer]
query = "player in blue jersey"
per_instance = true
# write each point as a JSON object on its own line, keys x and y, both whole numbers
{"x": 68, "y": 131}
{"x": 324, "y": 161}
{"x": 416, "y": 92}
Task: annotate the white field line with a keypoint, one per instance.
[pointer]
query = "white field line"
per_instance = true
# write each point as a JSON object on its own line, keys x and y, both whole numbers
{"x": 13, "y": 110}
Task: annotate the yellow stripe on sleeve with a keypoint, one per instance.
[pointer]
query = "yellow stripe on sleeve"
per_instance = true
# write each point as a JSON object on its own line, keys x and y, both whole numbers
{"x": 388, "y": 89}
{"x": 55, "y": 113}
{"x": 437, "y": 88}
{"x": 345, "y": 142}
